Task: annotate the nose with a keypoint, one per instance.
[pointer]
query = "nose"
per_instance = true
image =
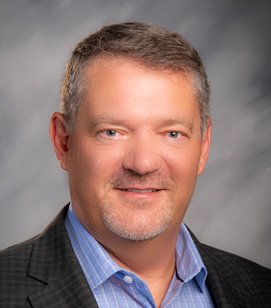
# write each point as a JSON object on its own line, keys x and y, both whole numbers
{"x": 142, "y": 156}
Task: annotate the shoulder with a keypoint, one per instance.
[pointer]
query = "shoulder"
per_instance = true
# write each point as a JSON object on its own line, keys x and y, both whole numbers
{"x": 230, "y": 264}
{"x": 239, "y": 279}
{"x": 15, "y": 257}
{"x": 233, "y": 280}
{"x": 18, "y": 263}
{"x": 20, "y": 253}
{"x": 233, "y": 264}
{"x": 14, "y": 281}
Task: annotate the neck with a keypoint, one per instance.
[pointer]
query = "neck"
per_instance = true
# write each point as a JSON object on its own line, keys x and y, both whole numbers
{"x": 152, "y": 260}
{"x": 141, "y": 257}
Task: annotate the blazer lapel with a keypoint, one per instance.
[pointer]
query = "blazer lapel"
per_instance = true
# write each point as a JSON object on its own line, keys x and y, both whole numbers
{"x": 218, "y": 286}
{"x": 54, "y": 263}
{"x": 69, "y": 290}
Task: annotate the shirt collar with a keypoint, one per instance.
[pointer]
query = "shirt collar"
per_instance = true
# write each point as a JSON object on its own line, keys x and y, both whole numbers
{"x": 98, "y": 266}
{"x": 189, "y": 263}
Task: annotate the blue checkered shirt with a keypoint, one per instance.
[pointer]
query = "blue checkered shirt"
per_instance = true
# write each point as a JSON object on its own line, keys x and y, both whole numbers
{"x": 115, "y": 287}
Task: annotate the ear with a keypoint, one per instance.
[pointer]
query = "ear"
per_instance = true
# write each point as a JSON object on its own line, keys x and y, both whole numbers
{"x": 205, "y": 147}
{"x": 60, "y": 138}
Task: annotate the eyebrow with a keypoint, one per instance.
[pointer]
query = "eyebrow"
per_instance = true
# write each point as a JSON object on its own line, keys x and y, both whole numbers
{"x": 168, "y": 122}
{"x": 104, "y": 119}
{"x": 179, "y": 121}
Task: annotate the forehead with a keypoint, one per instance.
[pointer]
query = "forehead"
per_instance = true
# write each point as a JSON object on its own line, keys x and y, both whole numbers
{"x": 101, "y": 62}
{"x": 130, "y": 68}
{"x": 119, "y": 85}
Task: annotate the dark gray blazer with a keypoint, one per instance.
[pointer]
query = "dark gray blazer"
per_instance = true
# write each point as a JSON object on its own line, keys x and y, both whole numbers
{"x": 44, "y": 272}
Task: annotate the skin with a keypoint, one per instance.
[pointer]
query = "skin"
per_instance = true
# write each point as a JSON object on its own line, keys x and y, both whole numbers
{"x": 132, "y": 160}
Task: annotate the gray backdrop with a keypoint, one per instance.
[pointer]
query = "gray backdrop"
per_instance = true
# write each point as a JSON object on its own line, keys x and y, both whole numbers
{"x": 231, "y": 206}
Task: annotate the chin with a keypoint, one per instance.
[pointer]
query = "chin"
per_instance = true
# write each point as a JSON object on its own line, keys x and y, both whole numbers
{"x": 141, "y": 230}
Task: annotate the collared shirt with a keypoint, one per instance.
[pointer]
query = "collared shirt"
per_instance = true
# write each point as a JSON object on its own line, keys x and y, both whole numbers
{"x": 116, "y": 287}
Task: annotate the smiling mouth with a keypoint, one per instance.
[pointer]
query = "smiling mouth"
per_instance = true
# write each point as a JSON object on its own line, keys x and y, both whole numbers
{"x": 140, "y": 191}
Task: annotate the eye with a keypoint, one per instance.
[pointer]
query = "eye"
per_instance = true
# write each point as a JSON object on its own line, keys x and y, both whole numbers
{"x": 110, "y": 132}
{"x": 174, "y": 134}
{"x": 176, "y": 137}
{"x": 108, "y": 135}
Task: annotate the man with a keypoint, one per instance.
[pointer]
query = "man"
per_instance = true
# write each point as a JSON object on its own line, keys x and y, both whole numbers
{"x": 133, "y": 135}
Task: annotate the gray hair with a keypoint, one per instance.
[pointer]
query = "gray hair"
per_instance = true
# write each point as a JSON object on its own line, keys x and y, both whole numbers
{"x": 154, "y": 47}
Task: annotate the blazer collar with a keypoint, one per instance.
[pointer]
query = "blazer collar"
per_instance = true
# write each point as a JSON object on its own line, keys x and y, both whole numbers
{"x": 221, "y": 288}
{"x": 54, "y": 263}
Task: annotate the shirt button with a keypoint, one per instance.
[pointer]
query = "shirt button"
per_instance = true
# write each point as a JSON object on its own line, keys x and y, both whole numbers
{"x": 128, "y": 279}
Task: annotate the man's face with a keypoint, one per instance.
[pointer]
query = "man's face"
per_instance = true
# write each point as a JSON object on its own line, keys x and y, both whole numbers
{"x": 136, "y": 150}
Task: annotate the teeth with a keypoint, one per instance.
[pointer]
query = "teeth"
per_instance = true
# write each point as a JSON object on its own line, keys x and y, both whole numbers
{"x": 141, "y": 191}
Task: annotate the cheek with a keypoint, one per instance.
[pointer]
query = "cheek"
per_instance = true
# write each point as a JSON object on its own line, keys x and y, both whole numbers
{"x": 183, "y": 162}
{"x": 90, "y": 162}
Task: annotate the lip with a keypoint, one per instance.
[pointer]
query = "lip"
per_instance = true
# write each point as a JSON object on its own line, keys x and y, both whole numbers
{"x": 140, "y": 190}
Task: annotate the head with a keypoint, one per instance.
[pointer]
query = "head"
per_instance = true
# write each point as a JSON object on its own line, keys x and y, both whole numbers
{"x": 134, "y": 131}
{"x": 154, "y": 47}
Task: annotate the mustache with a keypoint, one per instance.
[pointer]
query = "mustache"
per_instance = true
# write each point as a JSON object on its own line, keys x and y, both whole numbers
{"x": 130, "y": 178}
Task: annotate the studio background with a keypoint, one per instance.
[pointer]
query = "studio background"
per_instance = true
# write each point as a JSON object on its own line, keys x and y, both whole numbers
{"x": 231, "y": 206}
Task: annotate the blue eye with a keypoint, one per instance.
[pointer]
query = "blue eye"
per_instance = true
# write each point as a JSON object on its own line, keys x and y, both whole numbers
{"x": 110, "y": 132}
{"x": 174, "y": 134}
